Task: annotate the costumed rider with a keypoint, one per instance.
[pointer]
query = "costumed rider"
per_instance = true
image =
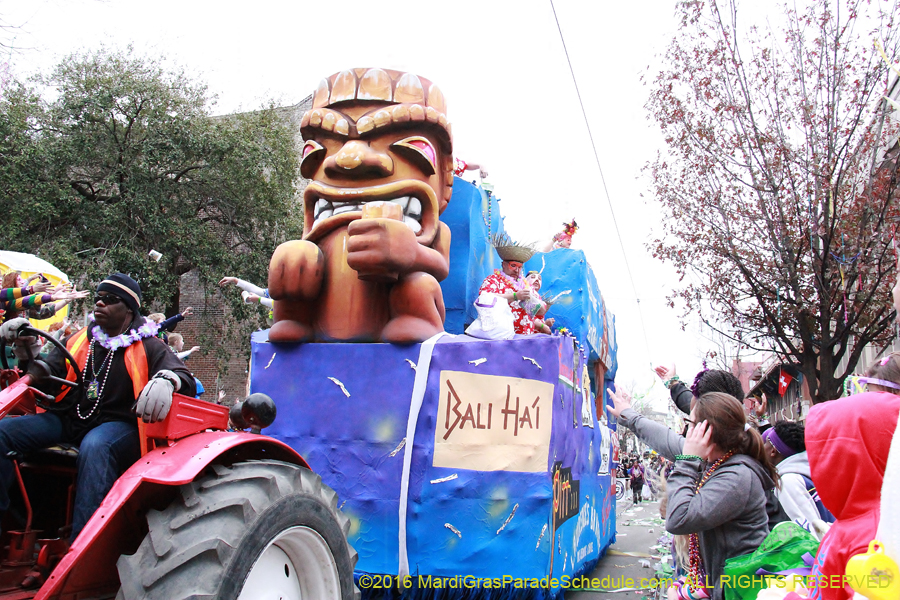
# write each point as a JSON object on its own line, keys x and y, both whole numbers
{"x": 508, "y": 283}
{"x": 460, "y": 167}
{"x": 128, "y": 373}
{"x": 563, "y": 239}
{"x": 536, "y": 306}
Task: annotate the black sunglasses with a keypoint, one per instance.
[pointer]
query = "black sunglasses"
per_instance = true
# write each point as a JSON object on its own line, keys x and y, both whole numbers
{"x": 107, "y": 300}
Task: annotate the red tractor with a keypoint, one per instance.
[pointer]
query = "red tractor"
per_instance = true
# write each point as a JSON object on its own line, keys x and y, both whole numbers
{"x": 205, "y": 513}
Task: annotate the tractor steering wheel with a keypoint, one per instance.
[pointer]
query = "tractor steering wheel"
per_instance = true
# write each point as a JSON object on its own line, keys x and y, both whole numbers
{"x": 46, "y": 401}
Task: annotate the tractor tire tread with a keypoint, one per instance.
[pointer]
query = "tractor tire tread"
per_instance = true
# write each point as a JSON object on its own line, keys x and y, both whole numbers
{"x": 191, "y": 543}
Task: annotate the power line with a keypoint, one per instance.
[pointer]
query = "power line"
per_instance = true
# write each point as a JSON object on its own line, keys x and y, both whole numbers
{"x": 603, "y": 180}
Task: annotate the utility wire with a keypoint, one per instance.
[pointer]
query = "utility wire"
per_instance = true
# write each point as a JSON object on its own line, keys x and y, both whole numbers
{"x": 603, "y": 180}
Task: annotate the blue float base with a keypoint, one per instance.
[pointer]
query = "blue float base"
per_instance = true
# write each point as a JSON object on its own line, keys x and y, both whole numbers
{"x": 510, "y": 472}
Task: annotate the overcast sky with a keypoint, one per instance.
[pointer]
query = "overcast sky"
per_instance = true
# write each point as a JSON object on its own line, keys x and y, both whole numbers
{"x": 510, "y": 94}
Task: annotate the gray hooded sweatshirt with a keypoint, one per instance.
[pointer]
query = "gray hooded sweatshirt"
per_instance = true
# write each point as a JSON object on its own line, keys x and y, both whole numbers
{"x": 793, "y": 496}
{"x": 735, "y": 509}
{"x": 728, "y": 513}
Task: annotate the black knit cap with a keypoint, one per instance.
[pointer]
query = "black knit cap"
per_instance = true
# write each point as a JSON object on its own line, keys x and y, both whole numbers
{"x": 126, "y": 288}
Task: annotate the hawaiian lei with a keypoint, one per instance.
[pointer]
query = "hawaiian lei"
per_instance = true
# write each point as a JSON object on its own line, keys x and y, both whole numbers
{"x": 517, "y": 284}
{"x": 123, "y": 340}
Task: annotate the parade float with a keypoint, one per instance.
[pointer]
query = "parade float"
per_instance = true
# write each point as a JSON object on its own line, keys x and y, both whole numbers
{"x": 476, "y": 465}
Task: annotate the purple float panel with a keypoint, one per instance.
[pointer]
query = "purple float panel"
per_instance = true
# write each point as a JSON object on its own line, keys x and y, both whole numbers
{"x": 510, "y": 472}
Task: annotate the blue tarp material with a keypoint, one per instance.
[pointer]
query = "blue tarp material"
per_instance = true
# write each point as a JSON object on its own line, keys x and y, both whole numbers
{"x": 474, "y": 509}
{"x": 579, "y": 306}
{"x": 472, "y": 258}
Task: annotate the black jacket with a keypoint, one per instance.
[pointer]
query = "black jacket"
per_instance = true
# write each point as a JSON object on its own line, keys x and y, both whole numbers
{"x": 117, "y": 397}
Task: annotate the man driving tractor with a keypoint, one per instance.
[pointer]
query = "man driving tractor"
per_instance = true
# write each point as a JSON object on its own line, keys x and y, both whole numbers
{"x": 127, "y": 372}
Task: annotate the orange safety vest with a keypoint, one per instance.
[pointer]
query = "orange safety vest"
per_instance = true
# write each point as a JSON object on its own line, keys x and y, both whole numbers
{"x": 135, "y": 362}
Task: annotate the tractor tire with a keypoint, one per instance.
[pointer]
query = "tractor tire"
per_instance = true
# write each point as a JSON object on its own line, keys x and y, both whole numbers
{"x": 257, "y": 529}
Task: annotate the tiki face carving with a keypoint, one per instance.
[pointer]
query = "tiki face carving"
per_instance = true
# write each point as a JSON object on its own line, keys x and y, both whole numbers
{"x": 378, "y": 138}
{"x": 378, "y": 154}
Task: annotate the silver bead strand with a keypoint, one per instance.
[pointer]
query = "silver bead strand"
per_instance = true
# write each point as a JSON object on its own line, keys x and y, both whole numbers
{"x": 107, "y": 362}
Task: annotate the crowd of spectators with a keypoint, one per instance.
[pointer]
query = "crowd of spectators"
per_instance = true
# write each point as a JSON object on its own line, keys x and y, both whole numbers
{"x": 36, "y": 299}
{"x": 730, "y": 477}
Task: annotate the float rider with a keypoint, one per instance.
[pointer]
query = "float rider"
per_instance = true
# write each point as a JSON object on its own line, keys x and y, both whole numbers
{"x": 128, "y": 372}
{"x": 508, "y": 283}
{"x": 563, "y": 239}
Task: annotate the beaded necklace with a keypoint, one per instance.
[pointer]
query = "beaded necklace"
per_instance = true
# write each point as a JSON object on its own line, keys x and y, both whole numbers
{"x": 488, "y": 220}
{"x": 94, "y": 390}
{"x": 696, "y": 571}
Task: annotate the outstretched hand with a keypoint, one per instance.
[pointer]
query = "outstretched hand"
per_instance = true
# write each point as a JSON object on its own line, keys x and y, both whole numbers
{"x": 228, "y": 280}
{"x": 621, "y": 401}
{"x": 63, "y": 294}
{"x": 40, "y": 287}
{"x": 665, "y": 372}
{"x": 760, "y": 406}
{"x": 187, "y": 312}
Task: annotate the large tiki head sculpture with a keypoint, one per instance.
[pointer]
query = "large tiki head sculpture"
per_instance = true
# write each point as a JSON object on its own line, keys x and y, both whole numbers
{"x": 376, "y": 135}
{"x": 378, "y": 153}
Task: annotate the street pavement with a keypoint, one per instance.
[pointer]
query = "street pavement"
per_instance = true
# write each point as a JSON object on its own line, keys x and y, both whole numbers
{"x": 637, "y": 530}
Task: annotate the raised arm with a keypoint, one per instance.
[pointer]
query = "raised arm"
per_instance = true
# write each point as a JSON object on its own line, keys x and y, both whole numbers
{"x": 11, "y": 294}
{"x": 32, "y": 301}
{"x": 244, "y": 285}
{"x": 681, "y": 394}
{"x": 656, "y": 435}
{"x": 257, "y": 299}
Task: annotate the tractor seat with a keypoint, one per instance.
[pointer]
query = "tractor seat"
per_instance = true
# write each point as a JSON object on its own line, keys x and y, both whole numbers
{"x": 60, "y": 457}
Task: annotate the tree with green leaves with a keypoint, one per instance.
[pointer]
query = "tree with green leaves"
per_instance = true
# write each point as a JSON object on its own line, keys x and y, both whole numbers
{"x": 111, "y": 156}
{"x": 778, "y": 183}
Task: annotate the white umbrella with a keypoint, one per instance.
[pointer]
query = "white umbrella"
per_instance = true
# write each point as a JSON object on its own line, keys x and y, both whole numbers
{"x": 29, "y": 264}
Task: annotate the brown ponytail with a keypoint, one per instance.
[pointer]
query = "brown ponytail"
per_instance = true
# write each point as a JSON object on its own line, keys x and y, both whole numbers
{"x": 726, "y": 417}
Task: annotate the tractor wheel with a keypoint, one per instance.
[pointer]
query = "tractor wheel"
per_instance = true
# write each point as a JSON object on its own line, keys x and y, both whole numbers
{"x": 255, "y": 530}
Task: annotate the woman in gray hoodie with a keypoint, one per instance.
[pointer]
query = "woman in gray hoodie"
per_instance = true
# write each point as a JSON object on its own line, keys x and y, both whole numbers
{"x": 717, "y": 491}
{"x": 730, "y": 513}
{"x": 669, "y": 443}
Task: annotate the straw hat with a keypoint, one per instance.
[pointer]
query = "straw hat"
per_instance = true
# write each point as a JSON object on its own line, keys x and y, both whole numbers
{"x": 510, "y": 250}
